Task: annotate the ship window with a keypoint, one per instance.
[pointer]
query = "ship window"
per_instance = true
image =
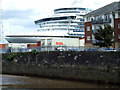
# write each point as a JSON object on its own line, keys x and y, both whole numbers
{"x": 82, "y": 20}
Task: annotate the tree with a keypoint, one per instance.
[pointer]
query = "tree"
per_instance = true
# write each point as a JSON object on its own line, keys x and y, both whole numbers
{"x": 104, "y": 36}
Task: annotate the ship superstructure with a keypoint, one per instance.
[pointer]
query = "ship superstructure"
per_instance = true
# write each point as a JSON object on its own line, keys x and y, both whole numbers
{"x": 65, "y": 22}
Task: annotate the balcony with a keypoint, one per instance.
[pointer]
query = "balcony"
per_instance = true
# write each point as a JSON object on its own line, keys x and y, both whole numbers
{"x": 107, "y": 20}
{"x": 101, "y": 21}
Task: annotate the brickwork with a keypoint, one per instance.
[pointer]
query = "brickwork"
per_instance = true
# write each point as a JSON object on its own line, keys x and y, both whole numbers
{"x": 117, "y": 30}
{"x": 88, "y": 33}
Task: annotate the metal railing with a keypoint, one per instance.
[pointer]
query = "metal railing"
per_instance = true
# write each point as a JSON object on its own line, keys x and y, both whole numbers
{"x": 101, "y": 21}
{"x": 43, "y": 48}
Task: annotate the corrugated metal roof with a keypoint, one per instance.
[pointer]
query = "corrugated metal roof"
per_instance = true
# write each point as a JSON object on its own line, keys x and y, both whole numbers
{"x": 106, "y": 9}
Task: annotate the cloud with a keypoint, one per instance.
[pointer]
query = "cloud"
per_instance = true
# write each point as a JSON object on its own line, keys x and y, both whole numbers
{"x": 19, "y": 15}
{"x": 19, "y": 21}
{"x": 8, "y": 14}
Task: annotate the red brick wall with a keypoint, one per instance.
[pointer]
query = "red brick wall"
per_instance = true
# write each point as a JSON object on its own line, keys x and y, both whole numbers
{"x": 2, "y": 45}
{"x": 39, "y": 43}
{"x": 31, "y": 45}
{"x": 88, "y": 33}
{"x": 117, "y": 30}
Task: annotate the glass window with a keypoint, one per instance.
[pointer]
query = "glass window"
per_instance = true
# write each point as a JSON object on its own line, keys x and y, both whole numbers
{"x": 97, "y": 27}
{"x": 118, "y": 36}
{"x": 42, "y": 42}
{"x": 88, "y": 38}
{"x": 96, "y": 17}
{"x": 118, "y": 14}
{"x": 119, "y": 25}
{"x": 88, "y": 18}
{"x": 48, "y": 42}
{"x": 107, "y": 16}
{"x": 88, "y": 28}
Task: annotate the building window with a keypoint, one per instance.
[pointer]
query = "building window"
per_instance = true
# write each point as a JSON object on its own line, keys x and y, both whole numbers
{"x": 96, "y": 17}
{"x": 88, "y": 38}
{"x": 97, "y": 27}
{"x": 49, "y": 42}
{"x": 107, "y": 17}
{"x": 88, "y": 28}
{"x": 118, "y": 36}
{"x": 42, "y": 42}
{"x": 88, "y": 18}
{"x": 118, "y": 14}
{"x": 118, "y": 25}
{"x": 93, "y": 37}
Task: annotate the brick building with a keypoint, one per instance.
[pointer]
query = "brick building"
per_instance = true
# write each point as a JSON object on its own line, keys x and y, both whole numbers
{"x": 109, "y": 14}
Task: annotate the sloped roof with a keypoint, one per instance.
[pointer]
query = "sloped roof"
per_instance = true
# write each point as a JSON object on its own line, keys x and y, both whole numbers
{"x": 106, "y": 9}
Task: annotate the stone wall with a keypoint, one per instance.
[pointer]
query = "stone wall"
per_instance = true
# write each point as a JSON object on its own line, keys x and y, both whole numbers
{"x": 86, "y": 66}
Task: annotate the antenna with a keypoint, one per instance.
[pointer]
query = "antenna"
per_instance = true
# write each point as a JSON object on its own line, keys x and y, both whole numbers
{"x": 1, "y": 24}
{"x": 77, "y": 3}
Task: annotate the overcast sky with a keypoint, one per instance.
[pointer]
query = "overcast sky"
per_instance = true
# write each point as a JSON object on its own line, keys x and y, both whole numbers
{"x": 19, "y": 15}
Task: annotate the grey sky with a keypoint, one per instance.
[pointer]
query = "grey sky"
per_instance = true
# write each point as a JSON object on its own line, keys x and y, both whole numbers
{"x": 19, "y": 15}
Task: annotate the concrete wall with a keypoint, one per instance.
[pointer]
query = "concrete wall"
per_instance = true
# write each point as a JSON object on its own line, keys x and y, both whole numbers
{"x": 86, "y": 66}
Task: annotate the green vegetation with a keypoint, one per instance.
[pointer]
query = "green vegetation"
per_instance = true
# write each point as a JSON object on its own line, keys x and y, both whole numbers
{"x": 11, "y": 57}
{"x": 104, "y": 36}
{"x": 34, "y": 51}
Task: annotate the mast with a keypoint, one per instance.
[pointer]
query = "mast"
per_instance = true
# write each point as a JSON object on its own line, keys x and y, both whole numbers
{"x": 1, "y": 24}
{"x": 77, "y": 3}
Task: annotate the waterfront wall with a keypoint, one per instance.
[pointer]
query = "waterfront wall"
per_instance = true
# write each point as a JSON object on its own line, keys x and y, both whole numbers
{"x": 86, "y": 66}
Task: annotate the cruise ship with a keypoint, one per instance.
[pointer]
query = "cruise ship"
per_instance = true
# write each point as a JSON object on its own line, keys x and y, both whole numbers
{"x": 64, "y": 23}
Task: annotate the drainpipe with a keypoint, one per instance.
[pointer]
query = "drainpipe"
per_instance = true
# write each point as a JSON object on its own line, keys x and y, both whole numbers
{"x": 113, "y": 14}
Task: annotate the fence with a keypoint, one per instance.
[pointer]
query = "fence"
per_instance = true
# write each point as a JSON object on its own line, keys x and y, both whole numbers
{"x": 52, "y": 48}
{"x": 43, "y": 48}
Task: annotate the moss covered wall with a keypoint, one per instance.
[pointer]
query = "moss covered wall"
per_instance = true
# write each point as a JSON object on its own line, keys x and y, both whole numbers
{"x": 90, "y": 66}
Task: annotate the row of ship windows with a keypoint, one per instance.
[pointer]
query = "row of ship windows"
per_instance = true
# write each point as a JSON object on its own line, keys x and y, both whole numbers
{"x": 62, "y": 29}
{"x": 77, "y": 34}
{"x": 78, "y": 26}
{"x": 82, "y": 21}
{"x": 78, "y": 23}
{"x": 71, "y": 12}
{"x": 69, "y": 9}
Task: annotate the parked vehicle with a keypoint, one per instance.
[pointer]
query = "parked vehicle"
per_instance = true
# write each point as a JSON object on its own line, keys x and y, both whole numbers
{"x": 60, "y": 49}
{"x": 109, "y": 49}
{"x": 91, "y": 50}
